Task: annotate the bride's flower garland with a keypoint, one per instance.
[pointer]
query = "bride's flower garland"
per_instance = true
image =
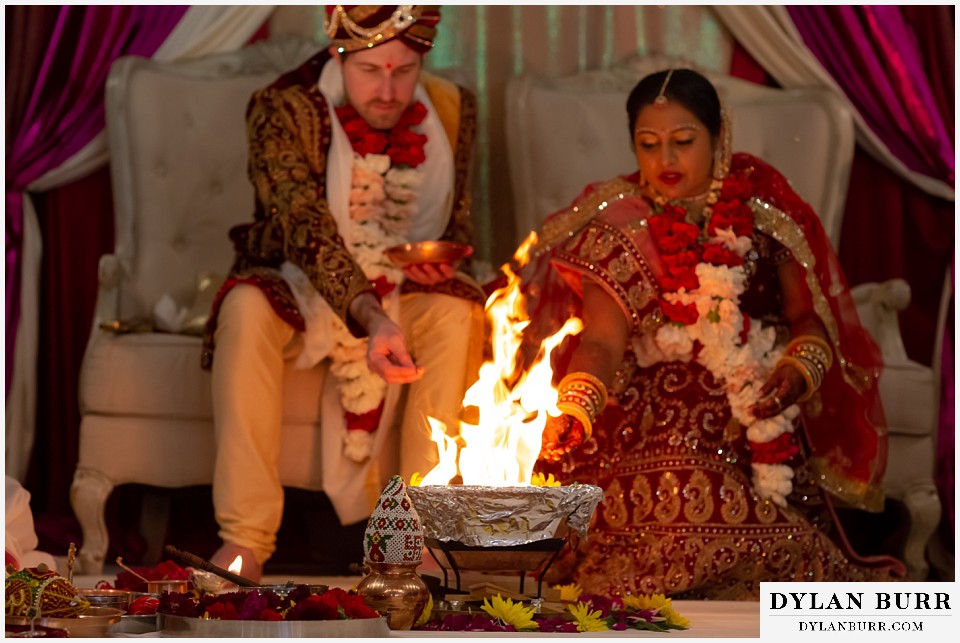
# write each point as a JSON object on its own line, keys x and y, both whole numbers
{"x": 385, "y": 183}
{"x": 701, "y": 288}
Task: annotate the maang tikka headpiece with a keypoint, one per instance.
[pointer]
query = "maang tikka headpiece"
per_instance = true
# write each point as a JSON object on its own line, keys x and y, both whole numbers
{"x": 661, "y": 98}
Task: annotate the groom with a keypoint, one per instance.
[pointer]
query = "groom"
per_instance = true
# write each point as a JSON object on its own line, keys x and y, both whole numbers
{"x": 355, "y": 151}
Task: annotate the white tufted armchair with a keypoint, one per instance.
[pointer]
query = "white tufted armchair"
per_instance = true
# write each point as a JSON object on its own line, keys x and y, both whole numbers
{"x": 177, "y": 138}
{"x": 566, "y": 132}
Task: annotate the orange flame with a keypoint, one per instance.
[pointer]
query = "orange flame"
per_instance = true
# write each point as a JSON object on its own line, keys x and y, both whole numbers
{"x": 501, "y": 449}
{"x": 236, "y": 566}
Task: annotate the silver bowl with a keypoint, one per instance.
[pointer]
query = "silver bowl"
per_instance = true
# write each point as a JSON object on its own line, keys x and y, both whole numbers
{"x": 92, "y": 623}
{"x": 118, "y": 598}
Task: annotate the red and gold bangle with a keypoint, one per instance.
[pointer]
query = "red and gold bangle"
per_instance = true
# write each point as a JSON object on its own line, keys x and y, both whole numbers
{"x": 814, "y": 348}
{"x": 583, "y": 396}
{"x": 812, "y": 357}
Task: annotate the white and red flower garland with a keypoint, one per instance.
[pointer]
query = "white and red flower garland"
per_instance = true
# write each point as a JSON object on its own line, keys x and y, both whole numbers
{"x": 700, "y": 301}
{"x": 385, "y": 184}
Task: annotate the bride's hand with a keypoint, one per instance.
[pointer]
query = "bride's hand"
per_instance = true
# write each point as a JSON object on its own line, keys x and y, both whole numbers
{"x": 561, "y": 435}
{"x": 785, "y": 386}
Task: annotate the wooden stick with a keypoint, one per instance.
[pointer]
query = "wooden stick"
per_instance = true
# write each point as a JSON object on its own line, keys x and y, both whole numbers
{"x": 193, "y": 560}
{"x": 120, "y": 563}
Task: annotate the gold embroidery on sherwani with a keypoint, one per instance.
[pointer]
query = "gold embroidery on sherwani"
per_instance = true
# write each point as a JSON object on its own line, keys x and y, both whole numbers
{"x": 287, "y": 157}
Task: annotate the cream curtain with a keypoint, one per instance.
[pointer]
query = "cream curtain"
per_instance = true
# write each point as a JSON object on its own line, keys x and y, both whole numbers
{"x": 203, "y": 30}
{"x": 768, "y": 33}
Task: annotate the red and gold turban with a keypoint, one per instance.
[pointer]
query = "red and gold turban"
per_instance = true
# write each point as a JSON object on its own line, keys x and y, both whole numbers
{"x": 355, "y": 27}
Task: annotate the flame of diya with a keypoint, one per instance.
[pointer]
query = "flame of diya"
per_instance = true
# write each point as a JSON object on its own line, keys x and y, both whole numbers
{"x": 38, "y": 591}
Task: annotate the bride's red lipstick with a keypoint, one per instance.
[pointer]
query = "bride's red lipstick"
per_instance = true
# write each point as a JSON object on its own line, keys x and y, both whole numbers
{"x": 670, "y": 178}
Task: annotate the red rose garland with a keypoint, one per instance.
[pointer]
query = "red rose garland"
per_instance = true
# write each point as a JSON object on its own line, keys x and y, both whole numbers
{"x": 404, "y": 146}
{"x": 405, "y": 150}
{"x": 681, "y": 249}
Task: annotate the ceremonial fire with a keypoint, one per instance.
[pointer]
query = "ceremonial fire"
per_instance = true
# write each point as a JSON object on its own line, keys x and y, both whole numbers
{"x": 502, "y": 447}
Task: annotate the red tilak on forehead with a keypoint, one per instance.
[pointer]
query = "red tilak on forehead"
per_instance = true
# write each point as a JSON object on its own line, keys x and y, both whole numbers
{"x": 389, "y": 66}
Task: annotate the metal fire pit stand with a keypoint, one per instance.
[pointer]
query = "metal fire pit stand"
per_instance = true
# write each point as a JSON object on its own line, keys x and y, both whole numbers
{"x": 551, "y": 546}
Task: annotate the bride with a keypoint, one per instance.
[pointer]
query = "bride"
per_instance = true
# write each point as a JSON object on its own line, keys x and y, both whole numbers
{"x": 722, "y": 392}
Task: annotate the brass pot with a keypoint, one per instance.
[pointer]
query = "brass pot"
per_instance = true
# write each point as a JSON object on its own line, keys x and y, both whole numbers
{"x": 396, "y": 591}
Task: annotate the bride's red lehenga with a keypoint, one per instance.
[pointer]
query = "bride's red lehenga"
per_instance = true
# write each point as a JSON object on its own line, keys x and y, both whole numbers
{"x": 679, "y": 514}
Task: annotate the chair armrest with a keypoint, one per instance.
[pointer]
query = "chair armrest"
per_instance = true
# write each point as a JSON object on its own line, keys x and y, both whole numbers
{"x": 878, "y": 305}
{"x": 109, "y": 274}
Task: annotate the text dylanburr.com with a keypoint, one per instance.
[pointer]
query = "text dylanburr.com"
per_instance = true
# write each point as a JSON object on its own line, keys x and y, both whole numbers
{"x": 856, "y": 611}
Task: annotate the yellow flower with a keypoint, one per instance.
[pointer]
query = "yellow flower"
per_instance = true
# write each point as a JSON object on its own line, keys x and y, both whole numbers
{"x": 510, "y": 613}
{"x": 586, "y": 620}
{"x": 539, "y": 481}
{"x": 427, "y": 611}
{"x": 569, "y": 593}
{"x": 415, "y": 479}
{"x": 659, "y": 602}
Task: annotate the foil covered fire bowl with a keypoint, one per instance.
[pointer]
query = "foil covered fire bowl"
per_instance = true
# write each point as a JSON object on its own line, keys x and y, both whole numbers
{"x": 505, "y": 529}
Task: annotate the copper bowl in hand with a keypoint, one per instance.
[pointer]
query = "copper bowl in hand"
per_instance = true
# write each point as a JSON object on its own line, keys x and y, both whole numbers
{"x": 408, "y": 254}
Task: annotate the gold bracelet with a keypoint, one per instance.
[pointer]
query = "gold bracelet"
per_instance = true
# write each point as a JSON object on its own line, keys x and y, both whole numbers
{"x": 811, "y": 343}
{"x": 589, "y": 379}
{"x": 805, "y": 371}
{"x": 578, "y": 412}
{"x": 815, "y": 370}
{"x": 582, "y": 396}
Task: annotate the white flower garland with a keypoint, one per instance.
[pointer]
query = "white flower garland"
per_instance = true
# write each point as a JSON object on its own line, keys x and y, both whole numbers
{"x": 742, "y": 367}
{"x": 382, "y": 200}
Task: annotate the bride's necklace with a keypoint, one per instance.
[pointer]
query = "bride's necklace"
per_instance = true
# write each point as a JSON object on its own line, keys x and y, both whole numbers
{"x": 694, "y": 206}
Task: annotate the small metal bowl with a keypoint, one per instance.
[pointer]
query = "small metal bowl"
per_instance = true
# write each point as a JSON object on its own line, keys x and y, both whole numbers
{"x": 176, "y": 586}
{"x": 408, "y": 254}
{"x": 118, "y": 598}
{"x": 92, "y": 623}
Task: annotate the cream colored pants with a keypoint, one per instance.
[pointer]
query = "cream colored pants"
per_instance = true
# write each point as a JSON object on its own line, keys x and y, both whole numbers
{"x": 443, "y": 335}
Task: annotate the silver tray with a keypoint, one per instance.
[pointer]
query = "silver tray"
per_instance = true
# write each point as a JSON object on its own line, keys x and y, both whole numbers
{"x": 135, "y": 624}
{"x": 190, "y": 627}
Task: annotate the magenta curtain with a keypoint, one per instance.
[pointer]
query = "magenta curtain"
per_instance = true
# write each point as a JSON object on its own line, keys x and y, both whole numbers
{"x": 896, "y": 65}
{"x": 874, "y": 55}
{"x": 62, "y": 107}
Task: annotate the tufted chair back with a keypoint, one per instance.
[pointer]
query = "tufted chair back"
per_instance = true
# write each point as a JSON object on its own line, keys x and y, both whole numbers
{"x": 178, "y": 146}
{"x": 179, "y": 164}
{"x": 565, "y": 132}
